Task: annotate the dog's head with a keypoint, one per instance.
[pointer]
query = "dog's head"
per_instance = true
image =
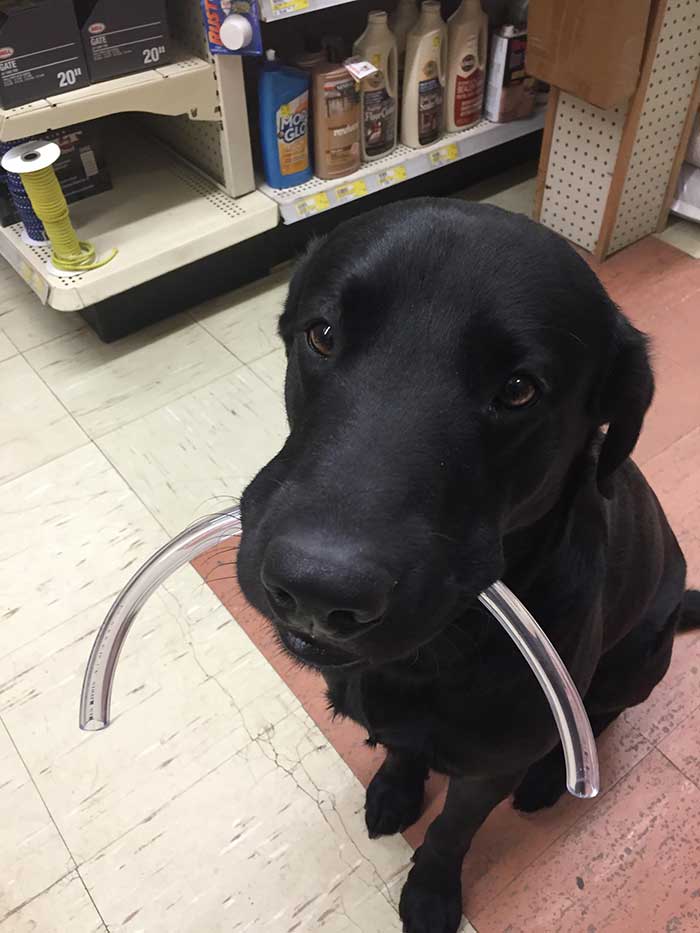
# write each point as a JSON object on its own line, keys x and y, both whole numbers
{"x": 449, "y": 365}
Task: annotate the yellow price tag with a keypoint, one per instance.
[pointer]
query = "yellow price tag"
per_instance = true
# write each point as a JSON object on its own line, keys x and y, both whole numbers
{"x": 351, "y": 190}
{"x": 313, "y": 205}
{"x": 289, "y": 6}
{"x": 392, "y": 176}
{"x": 444, "y": 154}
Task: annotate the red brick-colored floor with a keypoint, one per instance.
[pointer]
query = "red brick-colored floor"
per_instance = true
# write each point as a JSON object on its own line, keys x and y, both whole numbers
{"x": 628, "y": 862}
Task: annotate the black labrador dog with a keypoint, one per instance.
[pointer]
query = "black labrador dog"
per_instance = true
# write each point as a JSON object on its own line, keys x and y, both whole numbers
{"x": 450, "y": 368}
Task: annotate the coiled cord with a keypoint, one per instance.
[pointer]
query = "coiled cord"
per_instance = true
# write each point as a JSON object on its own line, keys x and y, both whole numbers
{"x": 68, "y": 252}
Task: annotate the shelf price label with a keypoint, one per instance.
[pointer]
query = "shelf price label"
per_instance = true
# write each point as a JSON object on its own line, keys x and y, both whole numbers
{"x": 285, "y": 7}
{"x": 391, "y": 176}
{"x": 444, "y": 154}
{"x": 351, "y": 190}
{"x": 313, "y": 204}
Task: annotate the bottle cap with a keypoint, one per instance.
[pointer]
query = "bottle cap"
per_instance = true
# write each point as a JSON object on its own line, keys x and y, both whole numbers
{"x": 236, "y": 32}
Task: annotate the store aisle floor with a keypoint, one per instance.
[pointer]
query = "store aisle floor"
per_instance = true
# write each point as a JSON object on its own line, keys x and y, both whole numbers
{"x": 222, "y": 797}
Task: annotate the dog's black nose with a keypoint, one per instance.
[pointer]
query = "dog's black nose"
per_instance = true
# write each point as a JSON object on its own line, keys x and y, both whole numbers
{"x": 335, "y": 589}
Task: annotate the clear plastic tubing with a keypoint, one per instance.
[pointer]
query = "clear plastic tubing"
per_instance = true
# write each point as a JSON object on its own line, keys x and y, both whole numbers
{"x": 580, "y": 755}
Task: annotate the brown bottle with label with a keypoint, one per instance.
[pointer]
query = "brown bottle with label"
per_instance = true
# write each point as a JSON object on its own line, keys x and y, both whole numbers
{"x": 336, "y": 119}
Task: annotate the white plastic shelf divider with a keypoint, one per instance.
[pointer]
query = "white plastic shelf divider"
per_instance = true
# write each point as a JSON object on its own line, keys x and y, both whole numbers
{"x": 187, "y": 86}
{"x": 318, "y": 195}
{"x": 160, "y": 215}
{"x": 271, "y": 10}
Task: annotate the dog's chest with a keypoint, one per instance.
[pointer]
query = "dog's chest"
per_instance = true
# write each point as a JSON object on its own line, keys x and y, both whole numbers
{"x": 398, "y": 718}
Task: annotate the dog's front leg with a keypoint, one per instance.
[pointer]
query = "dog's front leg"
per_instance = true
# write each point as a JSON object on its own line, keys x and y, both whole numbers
{"x": 395, "y": 795}
{"x": 431, "y": 900}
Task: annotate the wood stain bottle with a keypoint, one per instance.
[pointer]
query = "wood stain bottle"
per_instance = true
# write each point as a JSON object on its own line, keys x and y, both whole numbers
{"x": 336, "y": 118}
{"x": 467, "y": 43}
{"x": 378, "y": 92}
{"x": 422, "y": 116}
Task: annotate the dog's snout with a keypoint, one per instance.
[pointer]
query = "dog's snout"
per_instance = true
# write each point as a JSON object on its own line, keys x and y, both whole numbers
{"x": 336, "y": 588}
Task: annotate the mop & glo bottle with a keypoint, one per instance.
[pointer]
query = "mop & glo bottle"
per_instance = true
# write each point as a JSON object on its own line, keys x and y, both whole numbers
{"x": 284, "y": 123}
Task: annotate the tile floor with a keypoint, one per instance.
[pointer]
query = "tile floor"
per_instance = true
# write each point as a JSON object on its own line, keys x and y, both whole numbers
{"x": 222, "y": 797}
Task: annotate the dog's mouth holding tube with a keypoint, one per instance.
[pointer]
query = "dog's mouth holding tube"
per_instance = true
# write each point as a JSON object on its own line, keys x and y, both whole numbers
{"x": 582, "y": 772}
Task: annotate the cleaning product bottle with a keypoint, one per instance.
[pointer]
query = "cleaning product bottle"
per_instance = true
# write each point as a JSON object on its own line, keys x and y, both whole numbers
{"x": 378, "y": 91}
{"x": 401, "y": 21}
{"x": 283, "y": 95}
{"x": 424, "y": 78}
{"x": 467, "y": 40}
{"x": 336, "y": 117}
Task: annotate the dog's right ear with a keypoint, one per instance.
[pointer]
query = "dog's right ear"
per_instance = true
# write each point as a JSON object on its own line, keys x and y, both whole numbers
{"x": 296, "y": 284}
{"x": 625, "y": 396}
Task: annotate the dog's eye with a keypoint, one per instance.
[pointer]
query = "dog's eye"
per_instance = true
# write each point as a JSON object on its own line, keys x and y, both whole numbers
{"x": 518, "y": 392}
{"x": 320, "y": 338}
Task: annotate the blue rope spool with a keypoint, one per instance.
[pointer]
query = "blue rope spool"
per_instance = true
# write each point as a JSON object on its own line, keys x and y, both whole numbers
{"x": 32, "y": 224}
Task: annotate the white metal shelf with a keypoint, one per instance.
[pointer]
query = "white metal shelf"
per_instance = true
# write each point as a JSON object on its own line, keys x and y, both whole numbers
{"x": 187, "y": 86}
{"x": 160, "y": 215}
{"x": 271, "y": 10}
{"x": 318, "y": 195}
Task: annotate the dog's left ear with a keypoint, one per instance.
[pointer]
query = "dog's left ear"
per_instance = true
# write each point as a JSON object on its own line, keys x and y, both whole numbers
{"x": 626, "y": 394}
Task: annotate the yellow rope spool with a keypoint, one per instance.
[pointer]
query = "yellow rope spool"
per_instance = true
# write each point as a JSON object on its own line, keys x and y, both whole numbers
{"x": 34, "y": 162}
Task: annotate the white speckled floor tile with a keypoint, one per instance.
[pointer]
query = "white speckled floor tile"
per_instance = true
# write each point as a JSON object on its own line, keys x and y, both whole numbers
{"x": 683, "y": 234}
{"x": 175, "y": 717}
{"x": 26, "y": 321}
{"x": 513, "y": 190}
{"x": 245, "y": 321}
{"x": 7, "y": 348}
{"x": 193, "y": 455}
{"x": 34, "y": 427}
{"x": 274, "y": 841}
{"x": 65, "y": 907}
{"x": 72, "y": 534}
{"x": 272, "y": 369}
{"x": 32, "y": 853}
{"x": 107, "y": 385}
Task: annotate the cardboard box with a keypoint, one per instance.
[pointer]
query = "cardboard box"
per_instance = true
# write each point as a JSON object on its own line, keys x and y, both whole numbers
{"x": 80, "y": 169}
{"x": 510, "y": 91}
{"x": 591, "y": 49}
{"x": 40, "y": 51}
{"x": 123, "y": 36}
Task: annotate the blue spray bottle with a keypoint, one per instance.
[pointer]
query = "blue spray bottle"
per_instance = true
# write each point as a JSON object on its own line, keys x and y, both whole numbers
{"x": 283, "y": 94}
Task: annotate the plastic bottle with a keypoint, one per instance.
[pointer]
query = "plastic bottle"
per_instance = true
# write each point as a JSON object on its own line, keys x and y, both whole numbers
{"x": 336, "y": 118}
{"x": 307, "y": 61}
{"x": 467, "y": 43}
{"x": 283, "y": 94}
{"x": 422, "y": 116}
{"x": 401, "y": 21}
{"x": 378, "y": 92}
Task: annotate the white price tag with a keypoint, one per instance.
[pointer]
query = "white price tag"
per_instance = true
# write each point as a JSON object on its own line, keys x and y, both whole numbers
{"x": 359, "y": 69}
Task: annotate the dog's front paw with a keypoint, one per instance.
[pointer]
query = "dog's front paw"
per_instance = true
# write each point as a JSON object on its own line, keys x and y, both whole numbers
{"x": 392, "y": 803}
{"x": 431, "y": 900}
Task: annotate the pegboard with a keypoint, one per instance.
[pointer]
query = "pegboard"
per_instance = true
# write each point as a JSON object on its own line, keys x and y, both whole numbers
{"x": 220, "y": 148}
{"x": 585, "y": 145}
{"x": 197, "y": 141}
{"x": 672, "y": 80}
{"x": 185, "y": 18}
{"x": 607, "y": 172}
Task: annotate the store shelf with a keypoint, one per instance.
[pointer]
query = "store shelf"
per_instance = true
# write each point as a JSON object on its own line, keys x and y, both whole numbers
{"x": 185, "y": 86}
{"x": 271, "y": 10}
{"x": 160, "y": 215}
{"x": 316, "y": 196}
